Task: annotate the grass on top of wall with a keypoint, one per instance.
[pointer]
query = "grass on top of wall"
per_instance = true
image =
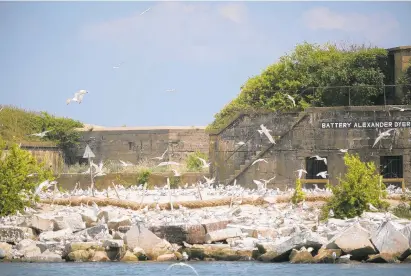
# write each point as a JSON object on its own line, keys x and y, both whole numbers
{"x": 16, "y": 125}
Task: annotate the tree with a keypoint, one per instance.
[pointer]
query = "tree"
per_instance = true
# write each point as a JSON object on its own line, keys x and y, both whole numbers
{"x": 19, "y": 176}
{"x": 326, "y": 67}
{"x": 405, "y": 80}
{"x": 360, "y": 186}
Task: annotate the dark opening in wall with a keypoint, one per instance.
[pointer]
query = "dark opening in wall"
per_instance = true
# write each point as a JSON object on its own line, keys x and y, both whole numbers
{"x": 391, "y": 166}
{"x": 130, "y": 145}
{"x": 313, "y": 167}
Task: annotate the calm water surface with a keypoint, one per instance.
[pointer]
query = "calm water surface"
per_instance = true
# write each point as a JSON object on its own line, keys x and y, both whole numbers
{"x": 203, "y": 268}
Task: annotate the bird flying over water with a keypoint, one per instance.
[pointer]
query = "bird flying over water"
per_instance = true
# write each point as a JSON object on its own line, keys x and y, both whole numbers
{"x": 382, "y": 134}
{"x": 183, "y": 264}
{"x": 78, "y": 97}
{"x": 267, "y": 133}
{"x": 291, "y": 99}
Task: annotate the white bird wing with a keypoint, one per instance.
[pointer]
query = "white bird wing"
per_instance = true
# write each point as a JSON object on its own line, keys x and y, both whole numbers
{"x": 268, "y": 135}
{"x": 256, "y": 161}
{"x": 162, "y": 156}
{"x": 202, "y": 160}
{"x": 377, "y": 140}
{"x": 41, "y": 186}
{"x": 291, "y": 99}
{"x": 123, "y": 163}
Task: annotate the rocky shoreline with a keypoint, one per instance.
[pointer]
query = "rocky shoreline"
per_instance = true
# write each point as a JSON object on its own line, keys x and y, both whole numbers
{"x": 268, "y": 233}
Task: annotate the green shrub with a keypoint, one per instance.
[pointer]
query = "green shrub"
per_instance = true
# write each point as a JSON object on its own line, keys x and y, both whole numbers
{"x": 298, "y": 195}
{"x": 403, "y": 210}
{"x": 16, "y": 187}
{"x": 143, "y": 176}
{"x": 360, "y": 185}
{"x": 175, "y": 181}
{"x": 193, "y": 163}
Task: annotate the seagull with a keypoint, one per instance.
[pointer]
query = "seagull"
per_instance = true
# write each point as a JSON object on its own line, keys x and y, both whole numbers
{"x": 125, "y": 164}
{"x": 372, "y": 208}
{"x": 43, "y": 184}
{"x": 170, "y": 90}
{"x": 382, "y": 134}
{"x": 259, "y": 160}
{"x": 300, "y": 173}
{"x": 291, "y": 99}
{"x": 183, "y": 264}
{"x": 343, "y": 150}
{"x": 118, "y": 66}
{"x": 41, "y": 134}
{"x": 323, "y": 174}
{"x": 267, "y": 133}
{"x": 260, "y": 185}
{"x": 400, "y": 108}
{"x": 334, "y": 256}
{"x": 145, "y": 11}
{"x": 78, "y": 97}
{"x": 331, "y": 213}
{"x": 346, "y": 257}
{"x": 320, "y": 158}
{"x": 169, "y": 163}
{"x": 161, "y": 157}
{"x": 1, "y": 109}
{"x": 267, "y": 181}
{"x": 176, "y": 173}
{"x": 99, "y": 169}
{"x": 185, "y": 256}
{"x": 240, "y": 143}
{"x": 205, "y": 164}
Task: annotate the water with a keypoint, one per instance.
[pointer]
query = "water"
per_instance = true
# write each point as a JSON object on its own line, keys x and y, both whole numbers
{"x": 203, "y": 268}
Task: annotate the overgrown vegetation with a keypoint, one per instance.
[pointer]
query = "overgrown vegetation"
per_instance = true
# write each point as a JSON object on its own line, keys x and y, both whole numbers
{"x": 299, "y": 194}
{"x": 403, "y": 210}
{"x": 19, "y": 176}
{"x": 175, "y": 182}
{"x": 17, "y": 124}
{"x": 360, "y": 186}
{"x": 308, "y": 66}
{"x": 143, "y": 175}
{"x": 406, "y": 81}
{"x": 193, "y": 163}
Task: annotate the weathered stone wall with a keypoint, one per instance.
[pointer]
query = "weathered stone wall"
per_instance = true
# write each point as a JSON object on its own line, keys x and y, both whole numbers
{"x": 138, "y": 144}
{"x": 306, "y": 139}
{"x": 51, "y": 156}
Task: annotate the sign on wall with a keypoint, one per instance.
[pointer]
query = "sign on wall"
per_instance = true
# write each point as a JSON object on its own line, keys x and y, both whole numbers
{"x": 392, "y": 124}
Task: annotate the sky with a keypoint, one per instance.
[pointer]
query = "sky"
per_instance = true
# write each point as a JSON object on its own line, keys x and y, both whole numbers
{"x": 203, "y": 50}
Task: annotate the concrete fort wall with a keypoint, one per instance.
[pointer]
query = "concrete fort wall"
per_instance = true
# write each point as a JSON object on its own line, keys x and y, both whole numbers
{"x": 139, "y": 144}
{"x": 316, "y": 131}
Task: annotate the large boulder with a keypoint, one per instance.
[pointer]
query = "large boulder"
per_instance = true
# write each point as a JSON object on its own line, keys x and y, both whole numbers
{"x": 114, "y": 224}
{"x": 153, "y": 246}
{"x": 406, "y": 231}
{"x": 73, "y": 221}
{"x": 301, "y": 257}
{"x": 354, "y": 240}
{"x": 55, "y": 235}
{"x": 389, "y": 240}
{"x": 14, "y": 234}
{"x": 190, "y": 233}
{"x": 80, "y": 255}
{"x": 326, "y": 255}
{"x": 51, "y": 246}
{"x": 220, "y": 252}
{"x": 28, "y": 248}
{"x": 46, "y": 256}
{"x": 223, "y": 234}
{"x": 107, "y": 215}
{"x": 113, "y": 243}
{"x": 129, "y": 257}
{"x": 280, "y": 250}
{"x": 100, "y": 256}
{"x": 167, "y": 258}
{"x": 93, "y": 231}
{"x": 5, "y": 250}
{"x": 77, "y": 246}
{"x": 382, "y": 258}
{"x": 42, "y": 222}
